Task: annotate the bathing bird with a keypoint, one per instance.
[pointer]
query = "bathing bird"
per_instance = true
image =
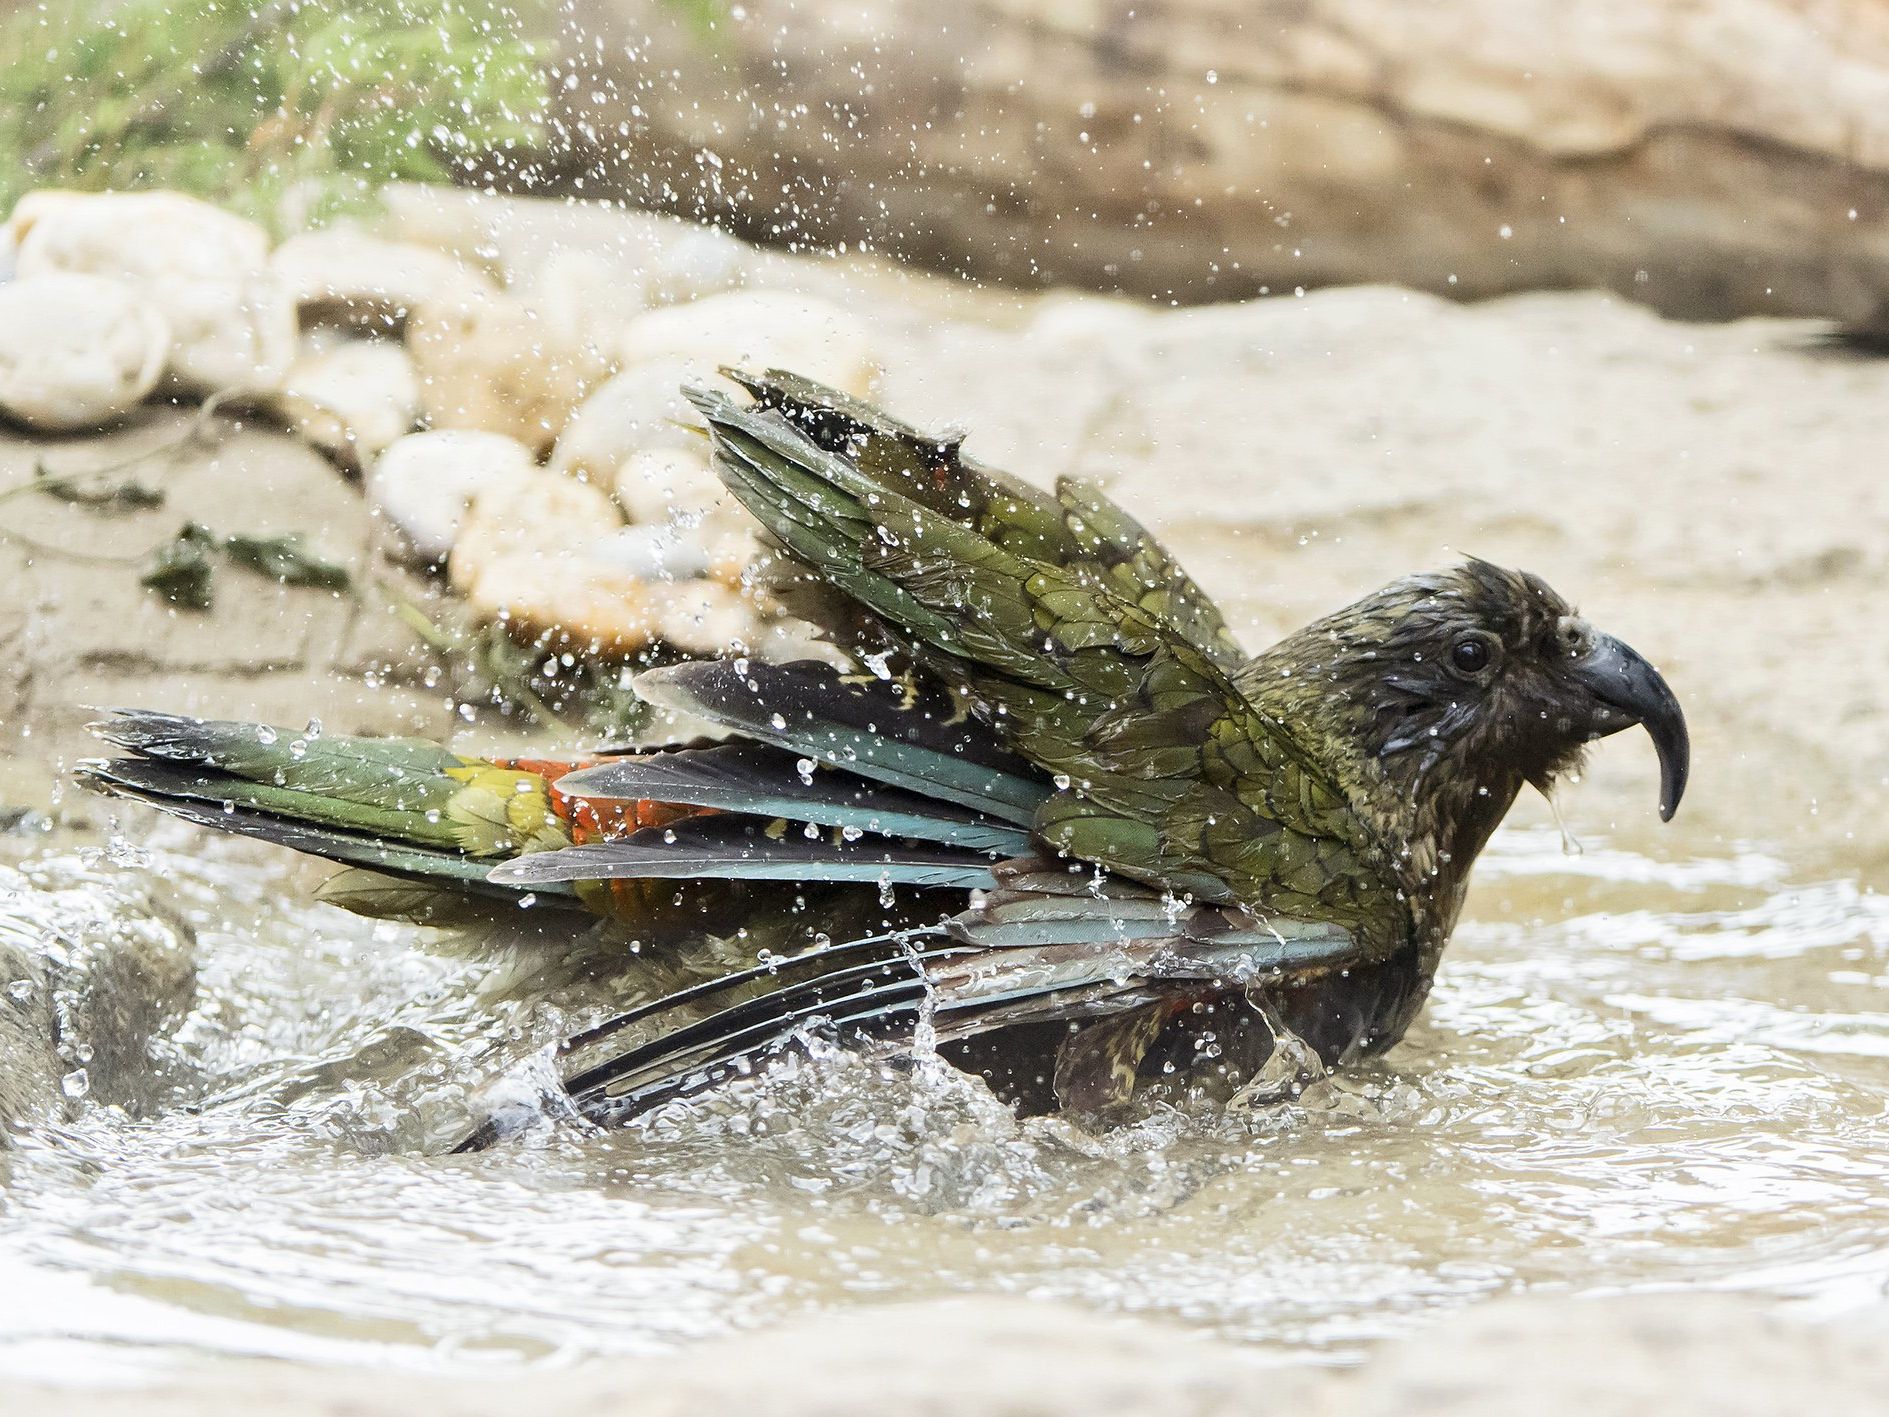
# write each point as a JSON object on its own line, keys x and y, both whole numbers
{"x": 1047, "y": 816}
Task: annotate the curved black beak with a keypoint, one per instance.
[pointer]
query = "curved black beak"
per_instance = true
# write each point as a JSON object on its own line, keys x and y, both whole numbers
{"x": 1627, "y": 690}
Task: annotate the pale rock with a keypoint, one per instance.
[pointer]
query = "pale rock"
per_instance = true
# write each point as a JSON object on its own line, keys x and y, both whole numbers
{"x": 760, "y": 329}
{"x": 524, "y": 558}
{"x": 602, "y": 292}
{"x": 496, "y": 363}
{"x": 343, "y": 276}
{"x": 655, "y": 551}
{"x": 587, "y": 291}
{"x": 76, "y": 351}
{"x": 665, "y": 258}
{"x": 730, "y": 544}
{"x": 783, "y": 639}
{"x": 1088, "y": 321}
{"x": 693, "y": 262}
{"x": 702, "y": 617}
{"x": 351, "y": 399}
{"x": 232, "y": 325}
{"x": 675, "y": 550}
{"x": 581, "y": 602}
{"x": 424, "y": 483}
{"x": 640, "y": 409}
{"x": 669, "y": 484}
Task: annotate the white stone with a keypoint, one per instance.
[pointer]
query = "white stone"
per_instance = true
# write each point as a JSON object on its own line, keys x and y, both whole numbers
{"x": 702, "y": 617}
{"x": 591, "y": 292}
{"x": 525, "y": 557}
{"x": 759, "y": 329}
{"x": 654, "y": 552}
{"x": 638, "y": 410}
{"x": 424, "y": 483}
{"x": 670, "y": 484}
{"x": 232, "y": 325}
{"x": 694, "y": 262}
{"x": 76, "y": 351}
{"x": 339, "y": 275}
{"x": 496, "y": 363}
{"x": 351, "y": 399}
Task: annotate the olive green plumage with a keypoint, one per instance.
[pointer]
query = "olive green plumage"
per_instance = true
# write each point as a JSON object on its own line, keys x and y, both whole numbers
{"x": 1080, "y": 643}
{"x": 1052, "y": 812}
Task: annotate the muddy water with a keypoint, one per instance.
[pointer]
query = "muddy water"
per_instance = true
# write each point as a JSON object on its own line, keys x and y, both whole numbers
{"x": 1635, "y": 1074}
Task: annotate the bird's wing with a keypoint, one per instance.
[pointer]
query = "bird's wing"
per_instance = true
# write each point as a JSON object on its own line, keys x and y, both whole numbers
{"x": 1166, "y": 771}
{"x": 1121, "y": 960}
{"x": 1076, "y": 527}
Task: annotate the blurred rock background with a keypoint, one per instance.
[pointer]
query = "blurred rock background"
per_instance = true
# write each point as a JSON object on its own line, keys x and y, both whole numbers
{"x": 1711, "y": 160}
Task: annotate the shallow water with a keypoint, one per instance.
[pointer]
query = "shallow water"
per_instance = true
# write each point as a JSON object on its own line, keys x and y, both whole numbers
{"x": 1634, "y": 1074}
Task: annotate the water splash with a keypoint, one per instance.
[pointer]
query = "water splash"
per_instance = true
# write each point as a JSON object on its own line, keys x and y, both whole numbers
{"x": 1633, "y": 1074}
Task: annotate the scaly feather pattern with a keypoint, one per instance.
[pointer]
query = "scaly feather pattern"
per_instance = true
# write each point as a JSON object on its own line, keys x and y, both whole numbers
{"x": 1167, "y": 771}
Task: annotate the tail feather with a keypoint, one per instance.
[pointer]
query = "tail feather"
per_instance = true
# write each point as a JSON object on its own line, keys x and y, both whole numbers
{"x": 734, "y": 848}
{"x": 1120, "y": 960}
{"x": 856, "y": 993}
{"x": 767, "y": 782}
{"x": 400, "y": 775}
{"x": 392, "y": 790}
{"x": 214, "y": 802}
{"x": 918, "y": 739}
{"x": 879, "y": 997}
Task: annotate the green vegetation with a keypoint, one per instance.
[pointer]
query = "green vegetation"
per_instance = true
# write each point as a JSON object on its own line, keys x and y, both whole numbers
{"x": 271, "y": 107}
{"x": 183, "y": 568}
{"x": 543, "y": 680}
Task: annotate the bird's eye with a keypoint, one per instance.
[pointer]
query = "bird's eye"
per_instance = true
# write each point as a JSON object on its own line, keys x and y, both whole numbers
{"x": 1471, "y": 655}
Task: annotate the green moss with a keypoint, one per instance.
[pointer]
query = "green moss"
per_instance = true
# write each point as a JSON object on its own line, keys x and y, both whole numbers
{"x": 299, "y": 108}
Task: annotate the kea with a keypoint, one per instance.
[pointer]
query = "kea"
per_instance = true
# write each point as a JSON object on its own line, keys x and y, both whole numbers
{"x": 1048, "y": 818}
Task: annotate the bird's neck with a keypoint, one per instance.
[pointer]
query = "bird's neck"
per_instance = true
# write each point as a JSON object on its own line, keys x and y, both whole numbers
{"x": 1432, "y": 820}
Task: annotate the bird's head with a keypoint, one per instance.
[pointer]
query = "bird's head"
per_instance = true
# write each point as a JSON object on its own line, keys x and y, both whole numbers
{"x": 1454, "y": 689}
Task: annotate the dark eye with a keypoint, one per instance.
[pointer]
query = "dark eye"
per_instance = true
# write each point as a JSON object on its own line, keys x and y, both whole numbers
{"x": 1470, "y": 655}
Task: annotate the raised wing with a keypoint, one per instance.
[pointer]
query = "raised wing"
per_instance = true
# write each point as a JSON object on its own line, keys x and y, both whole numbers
{"x": 1077, "y": 527}
{"x": 1166, "y": 772}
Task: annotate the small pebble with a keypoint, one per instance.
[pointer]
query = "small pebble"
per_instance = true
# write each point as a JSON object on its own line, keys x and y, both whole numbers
{"x": 759, "y": 329}
{"x": 496, "y": 364}
{"x": 351, "y": 398}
